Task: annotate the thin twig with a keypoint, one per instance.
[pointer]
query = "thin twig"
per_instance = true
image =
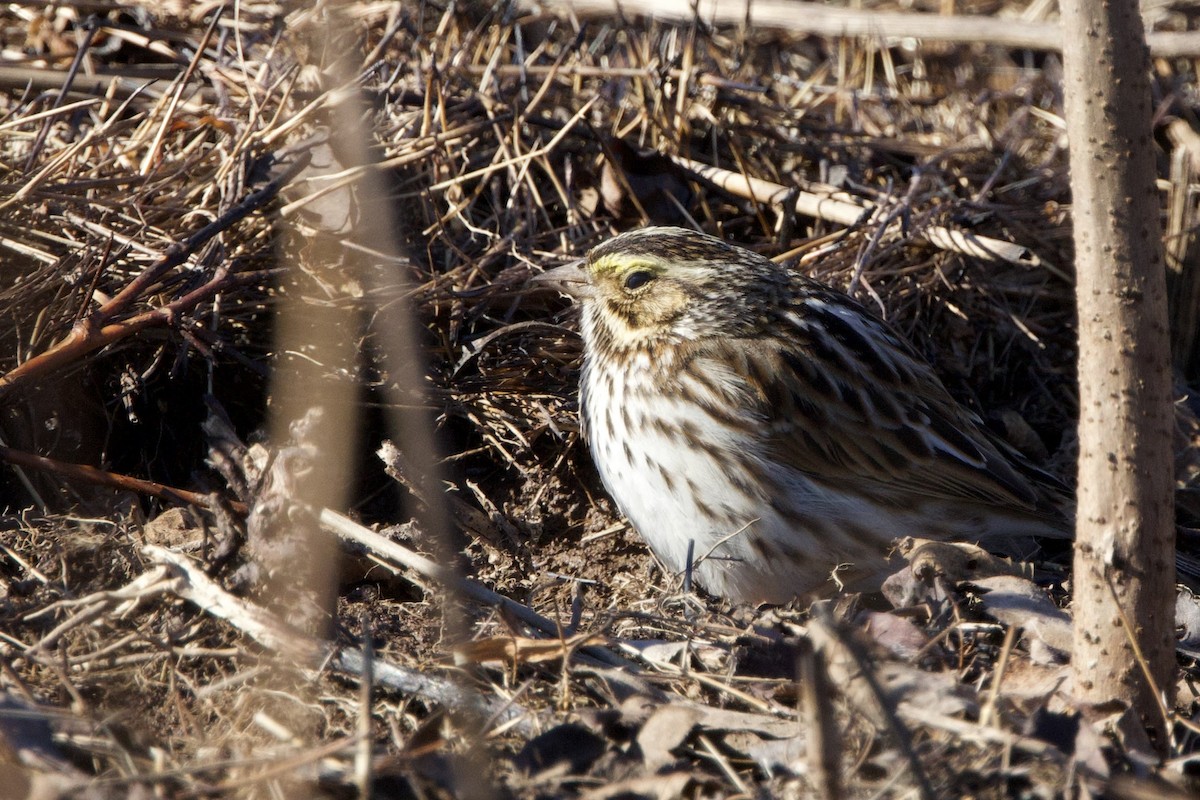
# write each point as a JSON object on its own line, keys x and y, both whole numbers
{"x": 100, "y": 477}
{"x": 350, "y": 530}
{"x": 822, "y": 20}
{"x": 194, "y": 585}
{"x": 95, "y": 331}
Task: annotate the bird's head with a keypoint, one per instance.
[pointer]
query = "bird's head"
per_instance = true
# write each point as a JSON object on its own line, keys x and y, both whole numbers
{"x": 670, "y": 285}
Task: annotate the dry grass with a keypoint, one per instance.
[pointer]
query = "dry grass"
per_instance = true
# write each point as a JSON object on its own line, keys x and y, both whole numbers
{"x": 195, "y": 172}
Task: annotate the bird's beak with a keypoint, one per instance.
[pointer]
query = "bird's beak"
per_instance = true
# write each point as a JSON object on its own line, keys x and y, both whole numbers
{"x": 569, "y": 279}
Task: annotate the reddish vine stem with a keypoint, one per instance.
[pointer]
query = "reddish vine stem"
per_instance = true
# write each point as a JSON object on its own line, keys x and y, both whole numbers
{"x": 97, "y": 330}
{"x": 101, "y": 477}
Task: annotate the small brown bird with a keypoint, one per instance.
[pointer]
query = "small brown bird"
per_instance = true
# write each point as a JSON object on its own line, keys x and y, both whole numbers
{"x": 770, "y": 428}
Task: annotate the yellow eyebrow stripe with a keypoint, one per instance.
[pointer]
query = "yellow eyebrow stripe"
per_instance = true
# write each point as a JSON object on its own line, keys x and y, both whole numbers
{"x": 616, "y": 263}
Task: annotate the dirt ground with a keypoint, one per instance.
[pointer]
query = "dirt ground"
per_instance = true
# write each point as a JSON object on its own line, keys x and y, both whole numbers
{"x": 295, "y": 498}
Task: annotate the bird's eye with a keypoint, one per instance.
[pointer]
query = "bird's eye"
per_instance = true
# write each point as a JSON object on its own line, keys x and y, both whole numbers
{"x": 637, "y": 279}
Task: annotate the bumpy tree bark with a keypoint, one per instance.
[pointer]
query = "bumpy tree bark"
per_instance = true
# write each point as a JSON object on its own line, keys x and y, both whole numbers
{"x": 1124, "y": 557}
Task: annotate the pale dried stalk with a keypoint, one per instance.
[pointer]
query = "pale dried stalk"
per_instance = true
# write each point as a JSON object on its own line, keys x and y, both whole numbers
{"x": 831, "y": 205}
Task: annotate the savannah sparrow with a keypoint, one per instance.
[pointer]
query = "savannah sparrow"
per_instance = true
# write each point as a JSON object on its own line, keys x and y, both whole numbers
{"x": 769, "y": 427}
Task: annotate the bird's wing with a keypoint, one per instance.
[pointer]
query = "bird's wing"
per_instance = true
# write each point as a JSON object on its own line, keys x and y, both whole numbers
{"x": 848, "y": 402}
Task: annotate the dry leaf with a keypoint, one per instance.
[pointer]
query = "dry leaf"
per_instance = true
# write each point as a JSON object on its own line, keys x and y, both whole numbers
{"x": 667, "y": 728}
{"x": 899, "y": 635}
{"x": 1022, "y": 603}
{"x": 519, "y": 649}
